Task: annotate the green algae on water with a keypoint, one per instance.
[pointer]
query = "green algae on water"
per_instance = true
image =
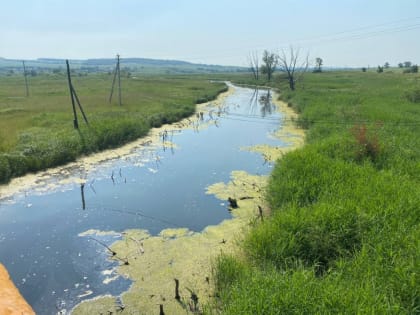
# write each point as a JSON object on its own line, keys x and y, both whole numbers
{"x": 155, "y": 261}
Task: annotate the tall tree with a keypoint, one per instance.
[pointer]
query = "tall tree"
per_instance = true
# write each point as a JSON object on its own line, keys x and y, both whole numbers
{"x": 270, "y": 61}
{"x": 407, "y": 64}
{"x": 318, "y": 64}
{"x": 293, "y": 66}
{"x": 254, "y": 66}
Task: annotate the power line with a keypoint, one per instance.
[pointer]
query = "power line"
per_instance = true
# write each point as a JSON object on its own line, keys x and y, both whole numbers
{"x": 138, "y": 213}
{"x": 372, "y": 26}
{"x": 333, "y": 37}
{"x": 372, "y": 34}
{"x": 277, "y": 121}
{"x": 350, "y": 33}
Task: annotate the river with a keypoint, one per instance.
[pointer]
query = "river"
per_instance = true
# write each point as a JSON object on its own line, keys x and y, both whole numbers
{"x": 158, "y": 184}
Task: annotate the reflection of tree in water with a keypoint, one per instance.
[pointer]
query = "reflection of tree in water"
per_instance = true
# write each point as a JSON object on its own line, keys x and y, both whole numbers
{"x": 266, "y": 106}
{"x": 264, "y": 100}
{"x": 253, "y": 102}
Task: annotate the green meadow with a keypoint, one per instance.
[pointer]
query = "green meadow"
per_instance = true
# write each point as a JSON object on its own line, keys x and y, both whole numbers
{"x": 343, "y": 235}
{"x": 37, "y": 131}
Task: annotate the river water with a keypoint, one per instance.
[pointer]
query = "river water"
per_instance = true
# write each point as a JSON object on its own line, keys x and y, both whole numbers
{"x": 156, "y": 186}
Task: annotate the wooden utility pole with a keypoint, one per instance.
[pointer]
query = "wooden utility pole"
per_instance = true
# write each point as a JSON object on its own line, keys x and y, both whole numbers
{"x": 74, "y": 97}
{"x": 26, "y": 79}
{"x": 117, "y": 72}
{"x": 75, "y": 122}
{"x": 80, "y": 105}
{"x": 119, "y": 79}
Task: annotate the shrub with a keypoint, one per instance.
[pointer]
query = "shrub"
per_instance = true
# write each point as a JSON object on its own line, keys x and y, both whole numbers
{"x": 4, "y": 169}
{"x": 413, "y": 96}
{"x": 18, "y": 164}
{"x": 367, "y": 143}
{"x": 412, "y": 69}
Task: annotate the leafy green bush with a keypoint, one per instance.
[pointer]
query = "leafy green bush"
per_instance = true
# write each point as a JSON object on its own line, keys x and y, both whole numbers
{"x": 413, "y": 96}
{"x": 5, "y": 172}
{"x": 18, "y": 164}
{"x": 412, "y": 69}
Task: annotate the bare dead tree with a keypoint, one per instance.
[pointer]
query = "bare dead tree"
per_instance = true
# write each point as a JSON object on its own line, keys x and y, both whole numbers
{"x": 293, "y": 66}
{"x": 270, "y": 61}
{"x": 253, "y": 62}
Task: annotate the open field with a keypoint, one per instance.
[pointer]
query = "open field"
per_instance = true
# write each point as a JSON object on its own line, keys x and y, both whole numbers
{"x": 343, "y": 236}
{"x": 37, "y": 131}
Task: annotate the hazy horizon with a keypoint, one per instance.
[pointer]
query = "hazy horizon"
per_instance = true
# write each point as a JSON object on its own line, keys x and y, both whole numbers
{"x": 352, "y": 34}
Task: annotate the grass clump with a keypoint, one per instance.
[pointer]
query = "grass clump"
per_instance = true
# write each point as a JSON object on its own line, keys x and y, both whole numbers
{"x": 413, "y": 95}
{"x": 343, "y": 236}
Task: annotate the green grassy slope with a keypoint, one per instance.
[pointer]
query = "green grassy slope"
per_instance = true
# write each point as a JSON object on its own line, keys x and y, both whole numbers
{"x": 37, "y": 131}
{"x": 344, "y": 234}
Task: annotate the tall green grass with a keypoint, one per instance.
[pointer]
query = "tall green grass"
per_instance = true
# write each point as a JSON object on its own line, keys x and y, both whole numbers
{"x": 37, "y": 131}
{"x": 344, "y": 234}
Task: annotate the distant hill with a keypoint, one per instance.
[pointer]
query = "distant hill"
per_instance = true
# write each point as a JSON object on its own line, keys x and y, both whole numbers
{"x": 135, "y": 65}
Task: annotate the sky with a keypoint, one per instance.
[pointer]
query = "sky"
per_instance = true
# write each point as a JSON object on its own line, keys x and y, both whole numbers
{"x": 350, "y": 33}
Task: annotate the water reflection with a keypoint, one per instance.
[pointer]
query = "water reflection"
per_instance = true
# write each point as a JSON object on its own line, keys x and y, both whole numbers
{"x": 267, "y": 107}
{"x": 253, "y": 102}
{"x": 262, "y": 99}
{"x": 82, "y": 191}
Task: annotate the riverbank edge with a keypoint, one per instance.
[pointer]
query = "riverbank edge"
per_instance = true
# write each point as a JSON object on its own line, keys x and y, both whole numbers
{"x": 219, "y": 236}
{"x": 34, "y": 181}
{"x": 11, "y": 163}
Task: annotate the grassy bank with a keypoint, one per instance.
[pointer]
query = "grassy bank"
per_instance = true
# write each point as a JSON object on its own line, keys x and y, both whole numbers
{"x": 37, "y": 131}
{"x": 344, "y": 234}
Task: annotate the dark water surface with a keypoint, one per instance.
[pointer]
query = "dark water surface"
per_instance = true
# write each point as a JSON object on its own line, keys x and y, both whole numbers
{"x": 153, "y": 189}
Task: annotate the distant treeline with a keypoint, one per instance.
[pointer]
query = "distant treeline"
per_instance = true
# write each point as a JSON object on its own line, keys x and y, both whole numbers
{"x": 143, "y": 65}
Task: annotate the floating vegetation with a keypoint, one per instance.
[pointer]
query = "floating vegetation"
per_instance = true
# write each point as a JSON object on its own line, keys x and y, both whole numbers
{"x": 155, "y": 261}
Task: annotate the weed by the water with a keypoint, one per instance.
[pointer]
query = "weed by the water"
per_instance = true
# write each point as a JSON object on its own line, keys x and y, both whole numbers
{"x": 367, "y": 143}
